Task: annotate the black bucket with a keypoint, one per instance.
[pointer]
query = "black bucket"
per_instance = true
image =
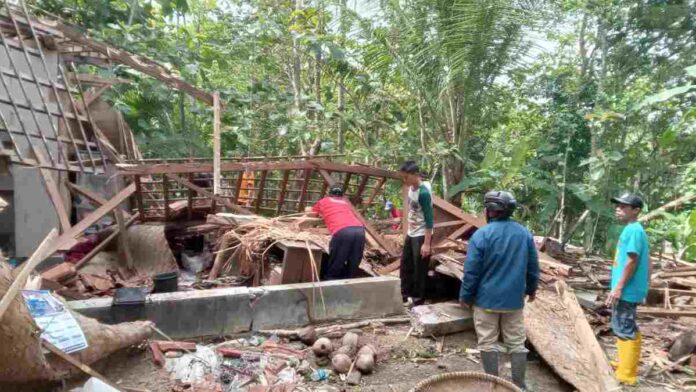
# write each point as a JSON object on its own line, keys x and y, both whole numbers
{"x": 167, "y": 282}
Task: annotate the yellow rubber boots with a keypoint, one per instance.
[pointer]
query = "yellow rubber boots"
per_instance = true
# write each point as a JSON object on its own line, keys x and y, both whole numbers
{"x": 628, "y": 360}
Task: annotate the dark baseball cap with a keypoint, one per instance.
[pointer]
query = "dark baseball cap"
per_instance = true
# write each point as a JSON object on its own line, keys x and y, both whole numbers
{"x": 629, "y": 199}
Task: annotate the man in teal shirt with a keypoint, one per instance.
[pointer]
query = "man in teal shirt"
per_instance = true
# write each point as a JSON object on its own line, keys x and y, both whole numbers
{"x": 630, "y": 278}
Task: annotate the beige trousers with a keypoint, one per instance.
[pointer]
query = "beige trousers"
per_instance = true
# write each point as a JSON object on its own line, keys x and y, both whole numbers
{"x": 490, "y": 324}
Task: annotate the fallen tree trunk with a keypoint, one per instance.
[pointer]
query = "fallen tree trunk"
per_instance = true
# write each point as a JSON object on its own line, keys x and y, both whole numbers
{"x": 559, "y": 331}
{"x": 22, "y": 358}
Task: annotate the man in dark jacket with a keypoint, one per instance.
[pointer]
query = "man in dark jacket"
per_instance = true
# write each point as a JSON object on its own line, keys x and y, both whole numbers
{"x": 502, "y": 266}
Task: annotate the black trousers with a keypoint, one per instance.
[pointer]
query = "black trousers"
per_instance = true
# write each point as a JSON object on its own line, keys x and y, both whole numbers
{"x": 414, "y": 270}
{"x": 345, "y": 253}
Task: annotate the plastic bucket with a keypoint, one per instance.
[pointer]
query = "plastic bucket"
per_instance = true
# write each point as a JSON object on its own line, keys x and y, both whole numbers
{"x": 165, "y": 283}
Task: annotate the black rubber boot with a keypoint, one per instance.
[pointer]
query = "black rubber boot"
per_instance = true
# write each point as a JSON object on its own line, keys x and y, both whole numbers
{"x": 489, "y": 359}
{"x": 518, "y": 362}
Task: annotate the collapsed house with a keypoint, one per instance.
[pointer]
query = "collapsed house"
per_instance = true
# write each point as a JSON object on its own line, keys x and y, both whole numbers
{"x": 219, "y": 238}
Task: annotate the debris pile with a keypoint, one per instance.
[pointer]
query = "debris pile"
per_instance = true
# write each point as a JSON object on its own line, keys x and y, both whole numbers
{"x": 275, "y": 359}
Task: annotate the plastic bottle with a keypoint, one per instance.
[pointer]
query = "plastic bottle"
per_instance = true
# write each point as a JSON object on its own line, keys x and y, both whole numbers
{"x": 320, "y": 375}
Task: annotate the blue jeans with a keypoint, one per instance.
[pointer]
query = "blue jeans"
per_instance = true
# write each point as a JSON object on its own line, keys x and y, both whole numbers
{"x": 623, "y": 320}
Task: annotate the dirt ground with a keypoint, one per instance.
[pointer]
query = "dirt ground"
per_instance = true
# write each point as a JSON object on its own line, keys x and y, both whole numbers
{"x": 401, "y": 364}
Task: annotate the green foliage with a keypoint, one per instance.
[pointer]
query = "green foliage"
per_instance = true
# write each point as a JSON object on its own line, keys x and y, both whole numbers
{"x": 563, "y": 103}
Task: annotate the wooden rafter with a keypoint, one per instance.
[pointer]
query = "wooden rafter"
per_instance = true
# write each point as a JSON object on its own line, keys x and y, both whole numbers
{"x": 224, "y": 201}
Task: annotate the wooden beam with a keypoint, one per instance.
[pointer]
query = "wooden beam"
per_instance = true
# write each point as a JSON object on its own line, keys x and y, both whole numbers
{"x": 165, "y": 196}
{"x": 346, "y": 183}
{"x": 224, "y": 201}
{"x": 460, "y": 231}
{"x": 657, "y": 312}
{"x": 259, "y": 192}
{"x": 105, "y": 242}
{"x": 375, "y": 234}
{"x": 283, "y": 188}
{"x": 216, "y": 143}
{"x": 361, "y": 187}
{"x": 139, "y": 63}
{"x": 44, "y": 250}
{"x": 94, "y": 198}
{"x": 325, "y": 184}
{"x": 56, "y": 199}
{"x": 238, "y": 187}
{"x": 68, "y": 238}
{"x": 328, "y": 179}
{"x": 673, "y": 204}
{"x": 188, "y": 167}
{"x": 451, "y": 209}
{"x": 676, "y": 292}
{"x": 189, "y": 198}
{"x": 356, "y": 169}
{"x": 376, "y": 191}
{"x": 303, "y": 191}
{"x": 442, "y": 225}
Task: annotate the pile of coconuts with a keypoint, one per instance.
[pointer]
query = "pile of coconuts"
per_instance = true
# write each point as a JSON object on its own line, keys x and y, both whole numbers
{"x": 349, "y": 355}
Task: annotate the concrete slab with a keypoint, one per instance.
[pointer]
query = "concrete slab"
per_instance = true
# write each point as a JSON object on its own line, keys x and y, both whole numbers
{"x": 241, "y": 309}
{"x": 441, "y": 319}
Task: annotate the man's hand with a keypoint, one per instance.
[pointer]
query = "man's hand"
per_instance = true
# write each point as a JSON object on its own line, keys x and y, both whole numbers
{"x": 614, "y": 296}
{"x": 531, "y": 297}
{"x": 425, "y": 250}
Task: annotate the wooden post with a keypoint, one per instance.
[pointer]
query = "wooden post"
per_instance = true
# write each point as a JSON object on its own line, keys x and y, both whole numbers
{"x": 283, "y": 187}
{"x": 259, "y": 194}
{"x": 216, "y": 143}
{"x": 189, "y": 203}
{"x": 165, "y": 196}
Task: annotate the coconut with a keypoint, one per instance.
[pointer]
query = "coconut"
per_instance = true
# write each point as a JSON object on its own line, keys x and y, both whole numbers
{"x": 347, "y": 350}
{"x": 350, "y": 339}
{"x": 341, "y": 363}
{"x": 308, "y": 335}
{"x": 365, "y": 363}
{"x": 367, "y": 349}
{"x": 322, "y": 347}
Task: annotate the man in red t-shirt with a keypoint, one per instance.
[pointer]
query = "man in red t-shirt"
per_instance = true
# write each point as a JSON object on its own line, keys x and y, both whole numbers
{"x": 347, "y": 235}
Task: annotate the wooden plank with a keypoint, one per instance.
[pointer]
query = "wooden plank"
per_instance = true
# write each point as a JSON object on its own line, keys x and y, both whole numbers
{"x": 259, "y": 192}
{"x": 283, "y": 188}
{"x": 88, "y": 370}
{"x": 303, "y": 191}
{"x": 658, "y": 312}
{"x": 460, "y": 232}
{"x": 95, "y": 198}
{"x": 451, "y": 209}
{"x": 216, "y": 143}
{"x": 207, "y": 193}
{"x": 684, "y": 282}
{"x": 44, "y": 250}
{"x": 104, "y": 242}
{"x": 56, "y": 199}
{"x": 675, "y": 292}
{"x": 139, "y": 196}
{"x": 188, "y": 167}
{"x": 356, "y": 169}
{"x": 442, "y": 225}
{"x": 389, "y": 268}
{"x": 324, "y": 184}
{"x": 375, "y": 234}
{"x": 68, "y": 238}
{"x": 677, "y": 274}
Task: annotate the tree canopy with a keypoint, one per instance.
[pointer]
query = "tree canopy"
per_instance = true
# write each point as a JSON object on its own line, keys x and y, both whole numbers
{"x": 563, "y": 103}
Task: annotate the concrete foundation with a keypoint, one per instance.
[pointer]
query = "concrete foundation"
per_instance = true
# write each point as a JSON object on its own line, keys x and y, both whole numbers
{"x": 243, "y": 309}
{"x": 441, "y": 319}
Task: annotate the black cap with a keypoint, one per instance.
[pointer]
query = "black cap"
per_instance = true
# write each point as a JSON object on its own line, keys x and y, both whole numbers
{"x": 629, "y": 199}
{"x": 336, "y": 190}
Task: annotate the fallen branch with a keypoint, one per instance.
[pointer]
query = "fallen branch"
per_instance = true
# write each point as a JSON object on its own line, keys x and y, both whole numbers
{"x": 294, "y": 333}
{"x": 672, "y": 204}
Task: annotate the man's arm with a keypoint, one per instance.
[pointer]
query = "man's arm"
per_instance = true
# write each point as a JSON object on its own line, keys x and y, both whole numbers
{"x": 472, "y": 272}
{"x": 532, "y": 269}
{"x": 628, "y": 271}
{"x": 426, "y": 202}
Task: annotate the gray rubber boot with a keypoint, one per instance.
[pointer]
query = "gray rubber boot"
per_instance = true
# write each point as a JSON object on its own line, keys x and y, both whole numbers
{"x": 518, "y": 362}
{"x": 489, "y": 359}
